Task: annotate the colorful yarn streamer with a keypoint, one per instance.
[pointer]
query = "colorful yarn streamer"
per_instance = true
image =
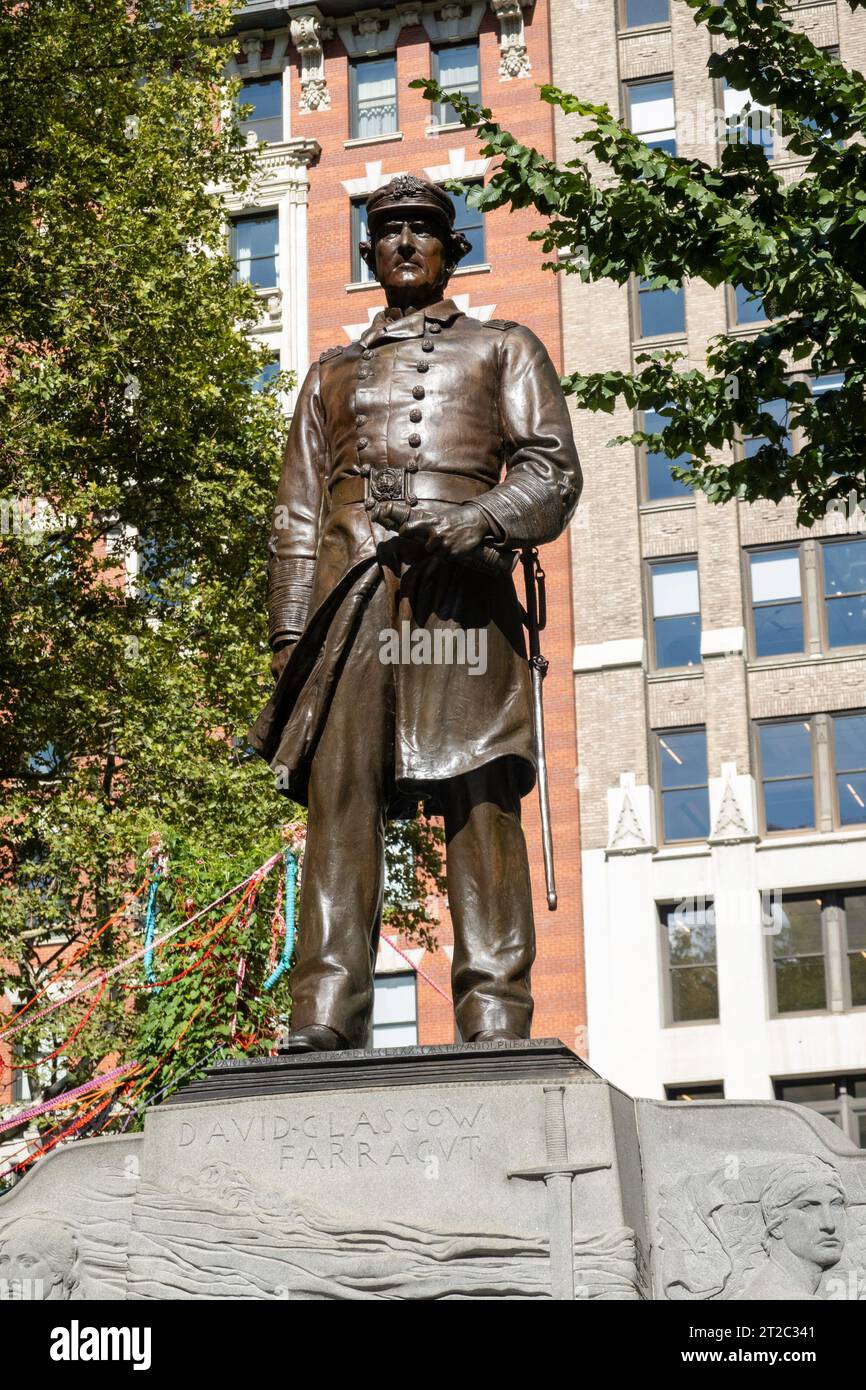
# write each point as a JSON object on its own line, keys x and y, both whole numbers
{"x": 67, "y": 1096}
{"x": 137, "y": 955}
{"x": 150, "y": 926}
{"x": 291, "y": 878}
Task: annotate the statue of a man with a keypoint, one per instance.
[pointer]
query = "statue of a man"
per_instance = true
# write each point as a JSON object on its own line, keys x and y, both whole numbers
{"x": 420, "y": 458}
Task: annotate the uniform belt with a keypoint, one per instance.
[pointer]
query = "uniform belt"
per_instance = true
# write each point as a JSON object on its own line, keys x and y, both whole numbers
{"x": 426, "y": 487}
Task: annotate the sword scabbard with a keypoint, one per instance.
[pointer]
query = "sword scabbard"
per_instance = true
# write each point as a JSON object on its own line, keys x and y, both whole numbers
{"x": 536, "y": 619}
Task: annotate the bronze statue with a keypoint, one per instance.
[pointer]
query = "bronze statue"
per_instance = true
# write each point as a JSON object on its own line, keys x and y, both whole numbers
{"x": 393, "y": 523}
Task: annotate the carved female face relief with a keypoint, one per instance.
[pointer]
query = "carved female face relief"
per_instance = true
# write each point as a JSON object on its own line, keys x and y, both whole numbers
{"x": 813, "y": 1225}
{"x": 37, "y": 1261}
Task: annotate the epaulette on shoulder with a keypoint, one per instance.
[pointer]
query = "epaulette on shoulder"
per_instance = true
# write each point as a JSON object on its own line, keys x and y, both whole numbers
{"x": 329, "y": 353}
{"x": 502, "y": 324}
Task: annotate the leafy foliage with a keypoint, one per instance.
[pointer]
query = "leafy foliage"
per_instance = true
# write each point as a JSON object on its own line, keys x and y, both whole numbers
{"x": 137, "y": 472}
{"x": 621, "y": 208}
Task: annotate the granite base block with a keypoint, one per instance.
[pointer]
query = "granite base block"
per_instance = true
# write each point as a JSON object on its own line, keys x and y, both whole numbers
{"x": 478, "y": 1171}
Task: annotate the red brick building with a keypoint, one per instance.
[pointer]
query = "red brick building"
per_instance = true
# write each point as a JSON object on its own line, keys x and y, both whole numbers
{"x": 334, "y": 83}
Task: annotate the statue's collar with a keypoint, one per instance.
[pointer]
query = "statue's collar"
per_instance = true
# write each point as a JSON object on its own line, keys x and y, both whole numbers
{"x": 390, "y": 323}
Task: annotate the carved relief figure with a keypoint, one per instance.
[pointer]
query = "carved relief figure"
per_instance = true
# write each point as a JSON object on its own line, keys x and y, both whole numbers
{"x": 776, "y": 1231}
{"x": 38, "y": 1260}
{"x": 804, "y": 1211}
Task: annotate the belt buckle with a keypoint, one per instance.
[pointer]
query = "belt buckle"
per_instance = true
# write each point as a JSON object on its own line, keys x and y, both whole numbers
{"x": 387, "y": 485}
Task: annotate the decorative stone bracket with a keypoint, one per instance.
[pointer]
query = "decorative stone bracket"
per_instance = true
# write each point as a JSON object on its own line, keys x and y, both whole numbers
{"x": 513, "y": 53}
{"x": 310, "y": 31}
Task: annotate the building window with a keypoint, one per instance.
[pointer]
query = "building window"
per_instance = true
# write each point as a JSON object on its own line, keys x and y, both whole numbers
{"x": 689, "y": 941}
{"x": 849, "y": 749}
{"x": 702, "y": 1090}
{"x": 845, "y": 592}
{"x": 777, "y": 602}
{"x": 395, "y": 1010}
{"x": 854, "y": 907}
{"x": 832, "y": 381}
{"x": 748, "y": 307}
{"x": 21, "y": 1085}
{"x": 661, "y": 313}
{"x": 28, "y": 1081}
{"x": 265, "y": 96}
{"x": 818, "y": 938}
{"x": 255, "y": 250}
{"x": 798, "y": 786}
{"x": 651, "y": 113}
{"x": 456, "y": 69}
{"x": 269, "y": 371}
{"x": 841, "y": 1099}
{"x": 373, "y": 97}
{"x": 659, "y": 481}
{"x": 787, "y": 775}
{"x": 778, "y": 410}
{"x": 361, "y": 272}
{"x": 783, "y": 622}
{"x": 682, "y": 759}
{"x": 636, "y": 13}
{"x": 676, "y": 613}
{"x": 833, "y": 52}
{"x": 747, "y": 122}
{"x": 470, "y": 221}
{"x": 799, "y": 969}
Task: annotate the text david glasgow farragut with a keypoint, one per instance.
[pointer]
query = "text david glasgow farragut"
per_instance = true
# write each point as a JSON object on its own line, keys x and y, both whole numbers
{"x": 389, "y": 1137}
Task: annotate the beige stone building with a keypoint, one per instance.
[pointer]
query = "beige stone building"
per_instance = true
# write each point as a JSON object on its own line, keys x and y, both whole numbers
{"x": 719, "y": 673}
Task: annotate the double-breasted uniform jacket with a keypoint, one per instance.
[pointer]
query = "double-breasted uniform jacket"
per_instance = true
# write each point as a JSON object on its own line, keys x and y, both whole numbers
{"x": 455, "y": 410}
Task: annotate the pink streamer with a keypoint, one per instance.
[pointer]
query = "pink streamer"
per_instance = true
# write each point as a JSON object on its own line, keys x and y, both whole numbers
{"x": 47, "y": 1105}
{"x": 419, "y": 972}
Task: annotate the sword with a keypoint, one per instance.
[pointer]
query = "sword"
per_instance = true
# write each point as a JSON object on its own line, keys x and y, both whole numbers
{"x": 558, "y": 1174}
{"x": 536, "y": 621}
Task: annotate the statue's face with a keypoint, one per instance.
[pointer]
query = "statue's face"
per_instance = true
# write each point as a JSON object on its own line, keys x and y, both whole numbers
{"x": 813, "y": 1226}
{"x": 409, "y": 258}
{"x": 25, "y": 1272}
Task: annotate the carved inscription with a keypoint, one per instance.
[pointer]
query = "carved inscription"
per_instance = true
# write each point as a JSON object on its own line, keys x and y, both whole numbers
{"x": 386, "y": 1137}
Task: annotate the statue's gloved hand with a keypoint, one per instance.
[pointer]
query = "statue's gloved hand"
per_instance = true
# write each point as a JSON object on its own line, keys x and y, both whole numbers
{"x": 391, "y": 514}
{"x": 280, "y": 657}
{"x": 451, "y": 530}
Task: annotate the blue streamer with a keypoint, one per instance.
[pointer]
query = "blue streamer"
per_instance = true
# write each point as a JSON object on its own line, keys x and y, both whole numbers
{"x": 150, "y": 929}
{"x": 288, "y": 920}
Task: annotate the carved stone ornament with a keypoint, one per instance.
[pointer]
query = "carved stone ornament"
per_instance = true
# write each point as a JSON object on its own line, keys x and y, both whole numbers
{"x": 513, "y": 54}
{"x": 744, "y": 1234}
{"x": 628, "y": 833}
{"x": 731, "y": 824}
{"x": 309, "y": 33}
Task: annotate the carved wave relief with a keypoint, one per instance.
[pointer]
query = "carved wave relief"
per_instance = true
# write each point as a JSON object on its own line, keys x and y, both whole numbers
{"x": 217, "y": 1236}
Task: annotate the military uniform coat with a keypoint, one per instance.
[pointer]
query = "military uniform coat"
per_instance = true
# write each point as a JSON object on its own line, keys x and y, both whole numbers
{"x": 477, "y": 413}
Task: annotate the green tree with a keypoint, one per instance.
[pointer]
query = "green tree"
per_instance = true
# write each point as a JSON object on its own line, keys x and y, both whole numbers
{"x": 620, "y": 209}
{"x": 137, "y": 472}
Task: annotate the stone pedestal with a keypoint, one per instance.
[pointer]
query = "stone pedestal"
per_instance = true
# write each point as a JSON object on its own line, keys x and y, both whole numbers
{"x": 477, "y": 1171}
